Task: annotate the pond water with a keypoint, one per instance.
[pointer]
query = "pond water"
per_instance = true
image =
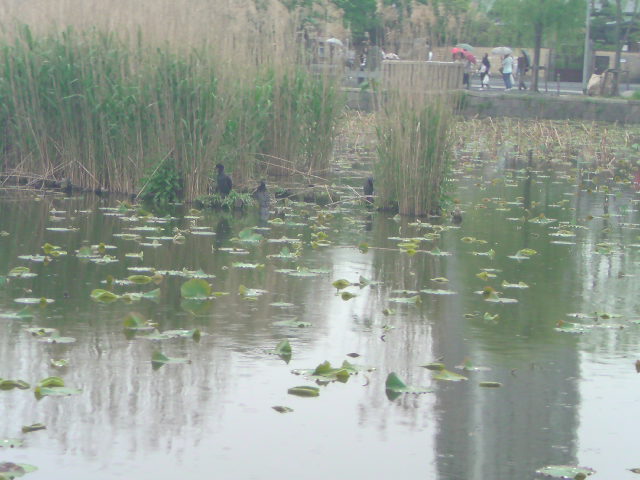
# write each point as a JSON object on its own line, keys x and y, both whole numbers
{"x": 563, "y": 355}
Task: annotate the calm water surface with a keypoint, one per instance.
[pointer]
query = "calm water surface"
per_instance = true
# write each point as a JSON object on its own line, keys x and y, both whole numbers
{"x": 567, "y": 398}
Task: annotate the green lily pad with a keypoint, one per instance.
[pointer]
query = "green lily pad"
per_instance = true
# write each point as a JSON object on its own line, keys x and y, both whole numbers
{"x": 55, "y": 391}
{"x": 283, "y": 349}
{"x": 248, "y": 266}
{"x": 104, "y": 296}
{"x": 340, "y": 284}
{"x": 10, "y": 442}
{"x": 436, "y": 291}
{"x": 395, "y": 385}
{"x": 565, "y": 471}
{"x": 435, "y": 366}
{"x": 61, "y": 363}
{"x": 490, "y": 384}
{"x": 196, "y": 288}
{"x": 42, "y": 301}
{"x": 247, "y": 235}
{"x": 449, "y": 376}
{"x": 158, "y": 359}
{"x": 11, "y": 384}
{"x": 57, "y": 339}
{"x": 411, "y": 300}
{"x": 304, "y": 391}
{"x": 33, "y": 427}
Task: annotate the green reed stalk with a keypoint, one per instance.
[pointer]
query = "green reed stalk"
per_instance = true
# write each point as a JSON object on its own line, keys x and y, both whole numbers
{"x": 414, "y": 153}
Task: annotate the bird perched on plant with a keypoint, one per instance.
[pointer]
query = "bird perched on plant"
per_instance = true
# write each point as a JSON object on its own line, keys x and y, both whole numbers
{"x": 223, "y": 181}
{"x": 368, "y": 189}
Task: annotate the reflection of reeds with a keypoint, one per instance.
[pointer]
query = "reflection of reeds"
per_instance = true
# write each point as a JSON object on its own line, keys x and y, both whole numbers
{"x": 93, "y": 109}
{"x": 414, "y": 152}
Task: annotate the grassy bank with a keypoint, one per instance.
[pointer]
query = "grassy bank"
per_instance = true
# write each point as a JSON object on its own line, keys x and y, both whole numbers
{"x": 102, "y": 113}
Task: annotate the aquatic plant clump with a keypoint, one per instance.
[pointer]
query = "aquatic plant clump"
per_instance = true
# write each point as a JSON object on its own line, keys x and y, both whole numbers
{"x": 413, "y": 154}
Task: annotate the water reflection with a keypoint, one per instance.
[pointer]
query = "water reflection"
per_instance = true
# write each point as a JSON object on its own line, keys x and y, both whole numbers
{"x": 215, "y": 414}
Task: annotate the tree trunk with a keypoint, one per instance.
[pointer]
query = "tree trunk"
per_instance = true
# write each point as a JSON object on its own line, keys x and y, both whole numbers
{"x": 536, "y": 55}
{"x": 616, "y": 64}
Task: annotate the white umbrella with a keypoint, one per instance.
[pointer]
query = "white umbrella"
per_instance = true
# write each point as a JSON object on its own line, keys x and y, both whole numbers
{"x": 334, "y": 41}
{"x": 501, "y": 51}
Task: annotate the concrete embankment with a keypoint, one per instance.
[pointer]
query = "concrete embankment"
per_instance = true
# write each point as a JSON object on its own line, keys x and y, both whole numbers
{"x": 529, "y": 105}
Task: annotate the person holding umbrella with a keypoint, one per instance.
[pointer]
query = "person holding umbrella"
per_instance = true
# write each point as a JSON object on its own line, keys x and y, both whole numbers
{"x": 507, "y": 70}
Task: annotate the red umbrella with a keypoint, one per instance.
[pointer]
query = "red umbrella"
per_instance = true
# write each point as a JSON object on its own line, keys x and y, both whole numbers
{"x": 469, "y": 56}
{"x": 455, "y": 50}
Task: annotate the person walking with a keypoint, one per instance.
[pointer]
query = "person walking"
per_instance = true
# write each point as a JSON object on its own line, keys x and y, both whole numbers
{"x": 507, "y": 70}
{"x": 485, "y": 66}
{"x": 523, "y": 67}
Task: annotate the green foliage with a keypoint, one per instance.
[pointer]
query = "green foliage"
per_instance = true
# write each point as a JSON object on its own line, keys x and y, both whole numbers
{"x": 163, "y": 185}
{"x": 234, "y": 201}
{"x": 361, "y": 16}
{"x": 519, "y": 18}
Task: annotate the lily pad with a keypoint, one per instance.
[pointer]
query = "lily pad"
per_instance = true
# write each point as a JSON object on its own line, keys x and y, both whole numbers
{"x": 395, "y": 385}
{"x": 33, "y": 427}
{"x": 449, "y": 376}
{"x": 10, "y": 442}
{"x": 304, "y": 391}
{"x": 411, "y": 300}
{"x": 104, "y": 296}
{"x": 196, "y": 288}
{"x": 158, "y": 359}
{"x": 566, "y": 471}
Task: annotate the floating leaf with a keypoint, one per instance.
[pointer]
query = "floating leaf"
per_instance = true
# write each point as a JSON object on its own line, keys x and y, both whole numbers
{"x": 506, "y": 284}
{"x": 140, "y": 279}
{"x": 158, "y": 359}
{"x": 340, "y": 284}
{"x": 490, "y": 384}
{"x": 566, "y": 471}
{"x": 433, "y": 291}
{"x": 10, "y": 442}
{"x": 304, "y": 391}
{"x": 436, "y": 366}
{"x": 413, "y": 300}
{"x": 282, "y": 409}
{"x": 104, "y": 296}
{"x": 63, "y": 362}
{"x": 283, "y": 348}
{"x": 11, "y": 384}
{"x": 449, "y": 376}
{"x": 247, "y": 235}
{"x": 250, "y": 293}
{"x": 395, "y": 385}
{"x": 257, "y": 266}
{"x": 33, "y": 428}
{"x": 347, "y": 295}
{"x": 195, "y": 288}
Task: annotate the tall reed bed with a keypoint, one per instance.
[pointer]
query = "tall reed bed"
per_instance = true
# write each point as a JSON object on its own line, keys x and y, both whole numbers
{"x": 104, "y": 114}
{"x": 414, "y": 152}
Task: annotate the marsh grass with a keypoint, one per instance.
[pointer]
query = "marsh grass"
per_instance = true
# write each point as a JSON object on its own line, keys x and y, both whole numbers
{"x": 414, "y": 152}
{"x": 90, "y": 107}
